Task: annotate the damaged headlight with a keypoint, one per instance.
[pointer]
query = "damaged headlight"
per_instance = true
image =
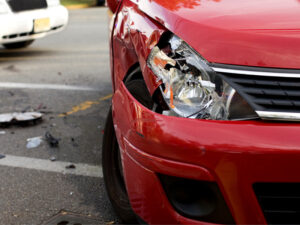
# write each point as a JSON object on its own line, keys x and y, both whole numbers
{"x": 191, "y": 88}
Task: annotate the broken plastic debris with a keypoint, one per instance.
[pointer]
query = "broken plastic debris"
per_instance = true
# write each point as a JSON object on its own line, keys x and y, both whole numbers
{"x": 20, "y": 117}
{"x": 71, "y": 166}
{"x": 175, "y": 42}
{"x": 52, "y": 141}
{"x": 34, "y": 142}
{"x": 52, "y": 158}
{"x": 2, "y": 156}
{"x": 74, "y": 143}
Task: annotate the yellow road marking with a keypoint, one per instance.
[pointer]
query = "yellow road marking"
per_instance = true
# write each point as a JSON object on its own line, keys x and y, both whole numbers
{"x": 78, "y": 6}
{"x": 84, "y": 106}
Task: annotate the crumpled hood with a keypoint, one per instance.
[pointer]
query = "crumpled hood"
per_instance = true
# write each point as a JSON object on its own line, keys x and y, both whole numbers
{"x": 262, "y": 33}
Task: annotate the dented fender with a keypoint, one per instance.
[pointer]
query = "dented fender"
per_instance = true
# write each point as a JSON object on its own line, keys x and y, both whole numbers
{"x": 133, "y": 37}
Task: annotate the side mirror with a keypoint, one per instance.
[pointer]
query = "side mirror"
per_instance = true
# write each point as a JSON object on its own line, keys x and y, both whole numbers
{"x": 113, "y": 5}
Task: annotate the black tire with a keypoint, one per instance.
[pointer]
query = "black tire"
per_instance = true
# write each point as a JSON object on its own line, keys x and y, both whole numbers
{"x": 113, "y": 175}
{"x": 15, "y": 45}
{"x": 111, "y": 162}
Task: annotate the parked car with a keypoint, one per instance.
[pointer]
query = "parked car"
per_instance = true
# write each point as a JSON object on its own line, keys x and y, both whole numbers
{"x": 23, "y": 21}
{"x": 204, "y": 122}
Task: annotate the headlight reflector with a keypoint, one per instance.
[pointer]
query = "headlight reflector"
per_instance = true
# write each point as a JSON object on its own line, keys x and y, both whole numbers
{"x": 190, "y": 87}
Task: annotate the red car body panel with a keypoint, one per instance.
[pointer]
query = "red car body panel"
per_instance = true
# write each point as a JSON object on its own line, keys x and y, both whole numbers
{"x": 133, "y": 37}
{"x": 234, "y": 154}
{"x": 251, "y": 33}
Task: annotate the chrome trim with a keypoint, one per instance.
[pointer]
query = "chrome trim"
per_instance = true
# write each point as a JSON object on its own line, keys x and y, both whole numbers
{"x": 283, "y": 116}
{"x": 266, "y": 115}
{"x": 229, "y": 100}
{"x": 256, "y": 73}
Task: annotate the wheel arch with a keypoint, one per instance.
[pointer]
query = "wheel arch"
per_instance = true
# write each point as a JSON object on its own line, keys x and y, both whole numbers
{"x": 134, "y": 36}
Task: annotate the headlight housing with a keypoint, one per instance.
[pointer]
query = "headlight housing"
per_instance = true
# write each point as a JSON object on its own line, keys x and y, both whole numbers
{"x": 191, "y": 88}
{"x": 4, "y": 8}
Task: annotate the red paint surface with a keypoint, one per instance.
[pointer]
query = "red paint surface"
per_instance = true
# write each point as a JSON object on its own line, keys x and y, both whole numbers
{"x": 251, "y": 33}
{"x": 234, "y": 154}
{"x": 112, "y": 5}
{"x": 132, "y": 37}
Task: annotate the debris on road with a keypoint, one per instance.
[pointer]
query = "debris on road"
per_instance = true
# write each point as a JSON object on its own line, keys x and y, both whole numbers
{"x": 34, "y": 142}
{"x": 52, "y": 141}
{"x": 71, "y": 166}
{"x": 53, "y": 158}
{"x": 11, "y": 93}
{"x": 2, "y": 132}
{"x": 2, "y": 156}
{"x": 74, "y": 143}
{"x": 15, "y": 117}
{"x": 12, "y": 68}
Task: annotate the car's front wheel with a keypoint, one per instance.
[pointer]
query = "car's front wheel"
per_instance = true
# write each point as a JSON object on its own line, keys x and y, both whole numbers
{"x": 111, "y": 158}
{"x": 113, "y": 174}
{"x": 21, "y": 44}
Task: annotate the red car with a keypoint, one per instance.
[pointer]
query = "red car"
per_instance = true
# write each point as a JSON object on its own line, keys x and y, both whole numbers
{"x": 205, "y": 113}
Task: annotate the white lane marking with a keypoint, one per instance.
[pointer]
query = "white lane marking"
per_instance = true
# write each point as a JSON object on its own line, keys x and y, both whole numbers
{"x": 45, "y": 86}
{"x": 47, "y": 165}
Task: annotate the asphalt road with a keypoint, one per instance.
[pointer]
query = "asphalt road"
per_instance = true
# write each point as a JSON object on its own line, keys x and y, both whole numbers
{"x": 64, "y": 73}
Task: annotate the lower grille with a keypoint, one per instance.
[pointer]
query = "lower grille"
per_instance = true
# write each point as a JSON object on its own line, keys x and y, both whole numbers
{"x": 23, "y": 5}
{"x": 280, "y": 202}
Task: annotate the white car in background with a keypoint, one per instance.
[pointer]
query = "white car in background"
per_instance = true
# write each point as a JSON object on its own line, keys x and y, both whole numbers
{"x": 23, "y": 21}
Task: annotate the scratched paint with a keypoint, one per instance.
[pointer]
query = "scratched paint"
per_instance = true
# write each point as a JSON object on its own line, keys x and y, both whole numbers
{"x": 84, "y": 106}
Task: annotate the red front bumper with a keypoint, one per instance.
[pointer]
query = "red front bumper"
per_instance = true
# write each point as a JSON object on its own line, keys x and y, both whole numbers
{"x": 234, "y": 154}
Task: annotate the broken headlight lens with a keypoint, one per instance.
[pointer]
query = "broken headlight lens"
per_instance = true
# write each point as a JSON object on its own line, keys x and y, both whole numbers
{"x": 191, "y": 88}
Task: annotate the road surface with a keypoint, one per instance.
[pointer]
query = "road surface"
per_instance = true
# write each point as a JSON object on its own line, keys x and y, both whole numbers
{"x": 66, "y": 76}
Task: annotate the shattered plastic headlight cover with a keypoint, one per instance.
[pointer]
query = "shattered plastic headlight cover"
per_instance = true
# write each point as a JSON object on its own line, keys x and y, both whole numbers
{"x": 190, "y": 87}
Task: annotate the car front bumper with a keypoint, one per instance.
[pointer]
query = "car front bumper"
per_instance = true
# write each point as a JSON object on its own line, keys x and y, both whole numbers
{"x": 235, "y": 155}
{"x": 16, "y": 27}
